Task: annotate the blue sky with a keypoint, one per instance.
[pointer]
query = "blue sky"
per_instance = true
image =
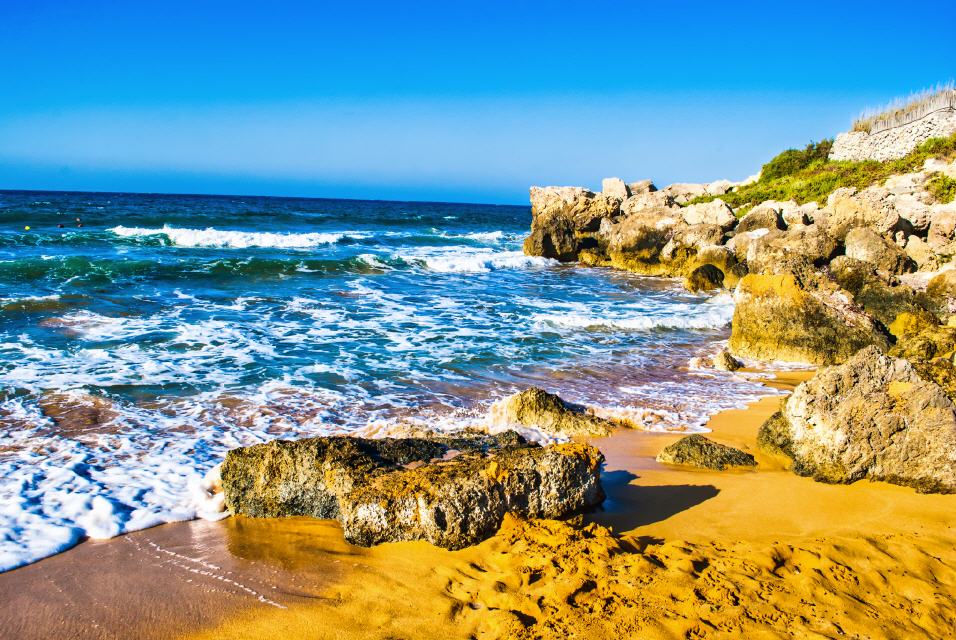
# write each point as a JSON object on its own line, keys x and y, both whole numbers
{"x": 467, "y": 101}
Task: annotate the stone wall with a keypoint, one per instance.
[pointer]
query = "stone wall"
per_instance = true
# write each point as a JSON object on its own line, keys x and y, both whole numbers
{"x": 895, "y": 142}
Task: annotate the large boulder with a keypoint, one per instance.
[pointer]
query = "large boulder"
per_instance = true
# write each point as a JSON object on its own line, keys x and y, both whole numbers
{"x": 867, "y": 245}
{"x": 564, "y": 219}
{"x": 715, "y": 212}
{"x": 450, "y": 491}
{"x": 463, "y": 501}
{"x": 698, "y": 451}
{"x": 780, "y": 317}
{"x": 548, "y": 413}
{"x": 761, "y": 217}
{"x": 872, "y": 417}
{"x": 778, "y": 251}
{"x": 848, "y": 208}
{"x": 615, "y": 188}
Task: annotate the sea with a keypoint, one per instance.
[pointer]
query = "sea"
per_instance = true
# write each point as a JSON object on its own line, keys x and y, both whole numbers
{"x": 143, "y": 336}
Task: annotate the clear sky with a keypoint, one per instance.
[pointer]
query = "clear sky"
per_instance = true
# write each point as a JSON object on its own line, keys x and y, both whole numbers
{"x": 456, "y": 101}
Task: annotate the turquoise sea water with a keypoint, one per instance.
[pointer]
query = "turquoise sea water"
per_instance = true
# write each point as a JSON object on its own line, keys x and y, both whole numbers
{"x": 167, "y": 329}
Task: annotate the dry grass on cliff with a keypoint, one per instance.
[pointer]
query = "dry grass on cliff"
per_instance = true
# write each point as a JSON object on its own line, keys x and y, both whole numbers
{"x": 905, "y": 110}
{"x": 788, "y": 177}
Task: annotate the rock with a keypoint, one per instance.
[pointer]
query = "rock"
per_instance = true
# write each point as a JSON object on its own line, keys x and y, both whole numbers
{"x": 635, "y": 243}
{"x": 309, "y": 476}
{"x": 779, "y": 251}
{"x": 450, "y": 491}
{"x": 941, "y": 237}
{"x": 547, "y": 412}
{"x": 641, "y": 186}
{"x": 648, "y": 200}
{"x": 714, "y": 212}
{"x": 760, "y": 217}
{"x": 776, "y": 318}
{"x": 724, "y": 361}
{"x": 872, "y": 417}
{"x": 698, "y": 451}
{"x": 740, "y": 242}
{"x": 867, "y": 245}
{"x": 704, "y": 278}
{"x": 882, "y": 296}
{"x": 920, "y": 253}
{"x": 562, "y": 219}
{"x": 614, "y": 188}
{"x": 719, "y": 187}
{"x": 684, "y": 192}
{"x": 942, "y": 290}
{"x": 848, "y": 208}
{"x": 464, "y": 501}
{"x": 920, "y": 338}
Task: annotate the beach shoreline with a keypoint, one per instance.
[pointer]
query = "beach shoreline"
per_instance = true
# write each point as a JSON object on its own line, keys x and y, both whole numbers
{"x": 687, "y": 553}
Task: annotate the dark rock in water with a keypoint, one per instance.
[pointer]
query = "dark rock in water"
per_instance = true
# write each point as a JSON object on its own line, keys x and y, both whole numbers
{"x": 537, "y": 408}
{"x": 450, "y": 491}
{"x": 875, "y": 417}
{"x": 698, "y": 451}
{"x": 704, "y": 278}
{"x": 724, "y": 361}
{"x": 458, "y": 503}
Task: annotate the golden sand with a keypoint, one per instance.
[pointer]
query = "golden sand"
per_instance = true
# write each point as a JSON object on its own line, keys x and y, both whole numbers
{"x": 678, "y": 553}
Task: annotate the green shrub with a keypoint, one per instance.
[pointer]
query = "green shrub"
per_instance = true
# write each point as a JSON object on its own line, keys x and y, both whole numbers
{"x": 942, "y": 187}
{"x": 793, "y": 160}
{"x": 819, "y": 177}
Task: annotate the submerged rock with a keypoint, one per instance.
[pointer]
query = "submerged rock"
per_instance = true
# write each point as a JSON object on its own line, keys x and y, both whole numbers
{"x": 876, "y": 417}
{"x": 547, "y": 412}
{"x": 724, "y": 361}
{"x": 698, "y": 451}
{"x": 451, "y": 491}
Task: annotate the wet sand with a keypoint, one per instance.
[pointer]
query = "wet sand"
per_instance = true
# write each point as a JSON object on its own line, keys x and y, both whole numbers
{"x": 677, "y": 553}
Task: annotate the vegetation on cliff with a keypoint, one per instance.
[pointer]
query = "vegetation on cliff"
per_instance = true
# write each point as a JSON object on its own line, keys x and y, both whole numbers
{"x": 806, "y": 175}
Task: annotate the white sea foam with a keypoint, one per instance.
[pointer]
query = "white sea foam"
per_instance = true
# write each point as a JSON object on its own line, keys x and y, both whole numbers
{"x": 210, "y": 237}
{"x": 713, "y": 314}
{"x": 464, "y": 260}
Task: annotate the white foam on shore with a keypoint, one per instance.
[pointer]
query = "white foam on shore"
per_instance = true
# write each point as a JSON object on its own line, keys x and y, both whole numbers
{"x": 216, "y": 238}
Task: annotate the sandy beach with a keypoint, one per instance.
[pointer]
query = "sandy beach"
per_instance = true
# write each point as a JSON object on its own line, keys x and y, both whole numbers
{"x": 676, "y": 553}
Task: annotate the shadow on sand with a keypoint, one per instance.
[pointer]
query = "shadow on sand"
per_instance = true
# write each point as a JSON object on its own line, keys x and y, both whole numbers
{"x": 629, "y": 506}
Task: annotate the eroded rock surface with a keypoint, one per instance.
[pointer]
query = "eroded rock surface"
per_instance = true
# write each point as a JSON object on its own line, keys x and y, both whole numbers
{"x": 876, "y": 417}
{"x": 451, "y": 491}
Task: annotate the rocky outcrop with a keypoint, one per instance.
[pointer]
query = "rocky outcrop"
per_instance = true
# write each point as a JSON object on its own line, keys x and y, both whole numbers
{"x": 698, "y": 451}
{"x": 781, "y": 317}
{"x": 761, "y": 217}
{"x": 452, "y": 491}
{"x": 564, "y": 220}
{"x": 872, "y": 417}
{"x": 704, "y": 278}
{"x": 548, "y": 413}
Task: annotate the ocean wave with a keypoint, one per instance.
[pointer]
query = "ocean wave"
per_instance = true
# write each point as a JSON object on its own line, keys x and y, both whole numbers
{"x": 216, "y": 238}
